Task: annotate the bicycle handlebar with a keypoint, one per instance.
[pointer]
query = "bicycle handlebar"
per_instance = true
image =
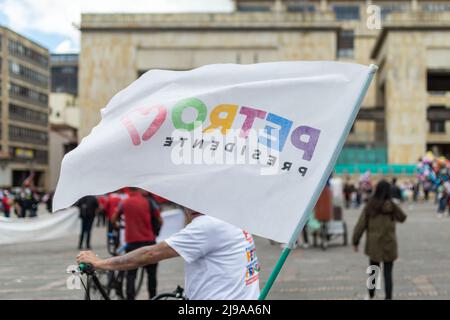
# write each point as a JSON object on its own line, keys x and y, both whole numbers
{"x": 86, "y": 268}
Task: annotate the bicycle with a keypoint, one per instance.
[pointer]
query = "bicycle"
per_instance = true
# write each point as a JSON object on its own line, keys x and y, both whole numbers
{"x": 95, "y": 290}
{"x": 115, "y": 281}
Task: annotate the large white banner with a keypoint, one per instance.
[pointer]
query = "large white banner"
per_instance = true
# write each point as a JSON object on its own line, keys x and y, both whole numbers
{"x": 248, "y": 144}
{"x": 48, "y": 227}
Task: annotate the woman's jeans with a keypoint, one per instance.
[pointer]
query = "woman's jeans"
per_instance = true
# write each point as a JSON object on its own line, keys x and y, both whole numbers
{"x": 387, "y": 273}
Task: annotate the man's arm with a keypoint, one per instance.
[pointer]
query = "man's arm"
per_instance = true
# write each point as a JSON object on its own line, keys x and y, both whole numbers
{"x": 133, "y": 260}
{"x": 117, "y": 213}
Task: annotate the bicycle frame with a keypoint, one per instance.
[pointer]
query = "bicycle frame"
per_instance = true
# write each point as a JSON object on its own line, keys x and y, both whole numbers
{"x": 89, "y": 270}
{"x": 99, "y": 287}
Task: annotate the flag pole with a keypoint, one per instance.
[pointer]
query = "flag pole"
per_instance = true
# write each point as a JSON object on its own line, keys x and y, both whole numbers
{"x": 285, "y": 253}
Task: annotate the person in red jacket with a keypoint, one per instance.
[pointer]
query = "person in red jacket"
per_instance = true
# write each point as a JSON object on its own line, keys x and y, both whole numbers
{"x": 139, "y": 233}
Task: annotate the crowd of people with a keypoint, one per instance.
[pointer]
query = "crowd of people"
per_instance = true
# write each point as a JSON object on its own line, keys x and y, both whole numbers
{"x": 433, "y": 176}
{"x": 135, "y": 216}
{"x": 430, "y": 183}
{"x": 21, "y": 202}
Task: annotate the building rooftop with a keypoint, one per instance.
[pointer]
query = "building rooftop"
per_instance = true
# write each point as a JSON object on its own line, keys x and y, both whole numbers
{"x": 223, "y": 21}
{"x": 24, "y": 38}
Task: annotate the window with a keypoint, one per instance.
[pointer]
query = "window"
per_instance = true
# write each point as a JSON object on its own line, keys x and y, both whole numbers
{"x": 438, "y": 81}
{"x": 436, "y": 116}
{"x": 64, "y": 58}
{"x": 41, "y": 156}
{"x": 388, "y": 8}
{"x": 346, "y": 44}
{"x": 250, "y": 7}
{"x": 435, "y": 7}
{"x": 28, "y": 74}
{"x": 19, "y": 113}
{"x": 64, "y": 79}
{"x": 346, "y": 12}
{"x": 23, "y": 154}
{"x": 19, "y": 50}
{"x": 28, "y": 94}
{"x": 437, "y": 126}
{"x": 26, "y": 135}
{"x": 300, "y": 6}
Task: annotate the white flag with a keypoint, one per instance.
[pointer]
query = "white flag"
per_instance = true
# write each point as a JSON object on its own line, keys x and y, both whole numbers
{"x": 248, "y": 144}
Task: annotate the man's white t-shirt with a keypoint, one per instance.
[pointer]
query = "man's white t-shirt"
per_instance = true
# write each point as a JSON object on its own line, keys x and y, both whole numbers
{"x": 220, "y": 260}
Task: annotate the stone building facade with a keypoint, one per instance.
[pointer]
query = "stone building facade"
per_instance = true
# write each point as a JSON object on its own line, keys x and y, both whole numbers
{"x": 24, "y": 88}
{"x": 64, "y": 115}
{"x": 395, "y": 125}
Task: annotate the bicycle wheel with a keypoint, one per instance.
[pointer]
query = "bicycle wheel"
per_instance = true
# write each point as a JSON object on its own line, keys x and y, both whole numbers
{"x": 178, "y": 294}
{"x": 115, "y": 288}
{"x": 167, "y": 296}
{"x": 140, "y": 280}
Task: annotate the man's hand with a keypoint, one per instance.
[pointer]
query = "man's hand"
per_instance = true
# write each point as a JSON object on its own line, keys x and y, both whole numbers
{"x": 89, "y": 257}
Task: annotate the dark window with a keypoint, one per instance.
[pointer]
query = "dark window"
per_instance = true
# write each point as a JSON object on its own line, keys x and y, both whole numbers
{"x": 300, "y": 6}
{"x": 346, "y": 44}
{"x": 346, "y": 12}
{"x": 64, "y": 58}
{"x": 19, "y": 50}
{"x": 250, "y": 7}
{"x": 437, "y": 115}
{"x": 26, "y": 135}
{"x": 435, "y": 7}
{"x": 388, "y": 8}
{"x": 65, "y": 79}
{"x": 437, "y": 126}
{"x": 41, "y": 156}
{"x": 28, "y": 74}
{"x": 28, "y": 94}
{"x": 69, "y": 146}
{"x": 438, "y": 81}
{"x": 19, "y": 113}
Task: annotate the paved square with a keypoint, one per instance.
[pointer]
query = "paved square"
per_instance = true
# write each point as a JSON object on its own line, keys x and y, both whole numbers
{"x": 37, "y": 270}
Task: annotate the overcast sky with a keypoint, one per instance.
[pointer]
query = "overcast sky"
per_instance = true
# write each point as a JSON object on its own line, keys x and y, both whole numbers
{"x": 50, "y": 22}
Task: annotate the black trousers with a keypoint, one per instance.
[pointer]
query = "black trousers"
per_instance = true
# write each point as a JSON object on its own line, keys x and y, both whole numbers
{"x": 86, "y": 227}
{"x": 131, "y": 274}
{"x": 101, "y": 218}
{"x": 387, "y": 274}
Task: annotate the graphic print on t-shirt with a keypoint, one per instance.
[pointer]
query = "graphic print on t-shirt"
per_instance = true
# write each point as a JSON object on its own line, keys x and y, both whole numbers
{"x": 252, "y": 272}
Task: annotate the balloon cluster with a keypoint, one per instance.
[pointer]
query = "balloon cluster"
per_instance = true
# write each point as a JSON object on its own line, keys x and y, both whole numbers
{"x": 435, "y": 170}
{"x": 365, "y": 181}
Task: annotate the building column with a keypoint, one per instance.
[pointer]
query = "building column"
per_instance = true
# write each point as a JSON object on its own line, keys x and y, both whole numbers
{"x": 406, "y": 98}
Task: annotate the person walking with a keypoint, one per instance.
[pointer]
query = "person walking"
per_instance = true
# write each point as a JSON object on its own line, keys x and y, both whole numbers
{"x": 139, "y": 233}
{"x": 349, "y": 188}
{"x": 88, "y": 208}
{"x": 396, "y": 191}
{"x": 378, "y": 220}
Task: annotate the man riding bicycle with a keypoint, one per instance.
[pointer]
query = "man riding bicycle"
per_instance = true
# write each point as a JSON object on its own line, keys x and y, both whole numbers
{"x": 139, "y": 233}
{"x": 220, "y": 259}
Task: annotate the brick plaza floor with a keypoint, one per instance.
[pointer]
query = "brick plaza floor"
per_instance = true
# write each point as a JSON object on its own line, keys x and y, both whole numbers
{"x": 37, "y": 270}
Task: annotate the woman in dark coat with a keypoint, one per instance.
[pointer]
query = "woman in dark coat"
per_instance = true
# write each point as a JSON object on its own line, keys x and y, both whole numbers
{"x": 378, "y": 220}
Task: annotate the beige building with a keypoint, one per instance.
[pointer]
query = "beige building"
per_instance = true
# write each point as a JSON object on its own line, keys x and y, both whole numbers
{"x": 64, "y": 113}
{"x": 405, "y": 112}
{"x": 24, "y": 80}
{"x": 63, "y": 136}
